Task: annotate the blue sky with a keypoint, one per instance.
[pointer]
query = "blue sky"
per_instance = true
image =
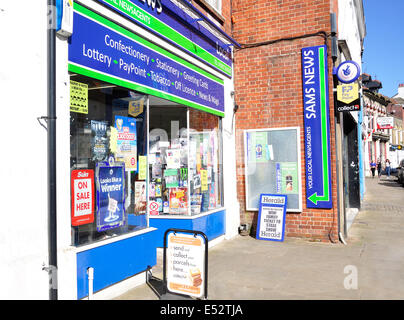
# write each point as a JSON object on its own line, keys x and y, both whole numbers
{"x": 383, "y": 56}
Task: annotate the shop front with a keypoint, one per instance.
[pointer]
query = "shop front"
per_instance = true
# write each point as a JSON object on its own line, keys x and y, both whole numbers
{"x": 146, "y": 133}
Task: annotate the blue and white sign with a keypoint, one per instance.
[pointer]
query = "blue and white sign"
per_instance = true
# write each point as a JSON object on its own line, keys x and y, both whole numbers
{"x": 101, "y": 49}
{"x": 348, "y": 71}
{"x": 110, "y": 182}
{"x": 316, "y": 127}
{"x": 271, "y": 217}
{"x": 177, "y": 24}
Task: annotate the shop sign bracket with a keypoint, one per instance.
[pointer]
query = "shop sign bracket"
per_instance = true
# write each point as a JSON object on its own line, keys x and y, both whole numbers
{"x": 45, "y": 118}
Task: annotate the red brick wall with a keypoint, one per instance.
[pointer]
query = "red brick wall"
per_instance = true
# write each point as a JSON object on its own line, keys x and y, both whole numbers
{"x": 268, "y": 86}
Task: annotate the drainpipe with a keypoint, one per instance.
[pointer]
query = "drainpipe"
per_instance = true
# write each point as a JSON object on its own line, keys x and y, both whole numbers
{"x": 334, "y": 55}
{"x": 339, "y": 157}
{"x": 51, "y": 154}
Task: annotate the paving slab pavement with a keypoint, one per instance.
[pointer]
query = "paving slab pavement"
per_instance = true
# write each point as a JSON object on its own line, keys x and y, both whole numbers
{"x": 244, "y": 268}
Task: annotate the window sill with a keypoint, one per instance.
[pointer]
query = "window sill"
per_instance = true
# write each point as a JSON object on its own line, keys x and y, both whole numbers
{"x": 173, "y": 216}
{"x": 211, "y": 11}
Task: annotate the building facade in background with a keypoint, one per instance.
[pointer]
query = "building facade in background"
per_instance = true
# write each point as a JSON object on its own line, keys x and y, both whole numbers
{"x": 377, "y": 121}
{"x": 396, "y": 110}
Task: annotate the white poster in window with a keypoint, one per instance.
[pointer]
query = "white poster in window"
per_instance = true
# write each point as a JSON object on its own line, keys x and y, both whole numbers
{"x": 173, "y": 158}
{"x": 192, "y": 154}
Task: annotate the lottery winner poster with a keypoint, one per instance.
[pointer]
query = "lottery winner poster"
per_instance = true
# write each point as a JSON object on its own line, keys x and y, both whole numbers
{"x": 110, "y": 196}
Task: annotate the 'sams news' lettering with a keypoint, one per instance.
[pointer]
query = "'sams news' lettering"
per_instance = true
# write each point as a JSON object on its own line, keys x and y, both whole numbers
{"x": 309, "y": 76}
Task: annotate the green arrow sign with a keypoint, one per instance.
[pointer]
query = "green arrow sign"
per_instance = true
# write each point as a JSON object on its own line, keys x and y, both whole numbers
{"x": 316, "y": 119}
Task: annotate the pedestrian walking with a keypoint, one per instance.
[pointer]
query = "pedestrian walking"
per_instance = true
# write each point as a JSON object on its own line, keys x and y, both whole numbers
{"x": 373, "y": 168}
{"x": 388, "y": 168}
{"x": 379, "y": 167}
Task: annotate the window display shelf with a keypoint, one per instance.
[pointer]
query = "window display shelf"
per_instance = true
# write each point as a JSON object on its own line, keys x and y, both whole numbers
{"x": 195, "y": 216}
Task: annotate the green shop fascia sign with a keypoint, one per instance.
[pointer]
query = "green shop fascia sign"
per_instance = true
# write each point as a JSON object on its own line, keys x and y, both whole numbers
{"x": 170, "y": 22}
{"x": 103, "y": 50}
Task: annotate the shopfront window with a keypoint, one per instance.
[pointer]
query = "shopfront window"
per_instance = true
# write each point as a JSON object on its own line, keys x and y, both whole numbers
{"x": 184, "y": 160}
{"x": 168, "y": 158}
{"x": 108, "y": 159}
{"x": 116, "y": 181}
{"x": 205, "y": 169}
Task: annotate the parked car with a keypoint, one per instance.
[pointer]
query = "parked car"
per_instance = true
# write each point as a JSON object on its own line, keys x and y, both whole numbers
{"x": 400, "y": 172}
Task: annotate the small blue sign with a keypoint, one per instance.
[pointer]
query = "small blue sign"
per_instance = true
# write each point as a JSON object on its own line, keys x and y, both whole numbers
{"x": 110, "y": 181}
{"x": 348, "y": 71}
{"x": 271, "y": 217}
{"x": 316, "y": 127}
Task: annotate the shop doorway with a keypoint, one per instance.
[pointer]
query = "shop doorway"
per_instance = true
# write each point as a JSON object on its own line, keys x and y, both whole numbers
{"x": 351, "y": 163}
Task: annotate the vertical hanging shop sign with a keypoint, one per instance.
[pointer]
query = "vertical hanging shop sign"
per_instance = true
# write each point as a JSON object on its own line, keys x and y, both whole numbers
{"x": 317, "y": 127}
{"x": 82, "y": 185}
{"x": 110, "y": 196}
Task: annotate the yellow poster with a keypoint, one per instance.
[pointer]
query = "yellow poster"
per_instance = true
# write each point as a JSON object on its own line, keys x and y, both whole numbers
{"x": 204, "y": 180}
{"x": 347, "y": 93}
{"x": 142, "y": 168}
{"x": 113, "y": 140}
{"x": 135, "y": 107}
{"x": 78, "y": 97}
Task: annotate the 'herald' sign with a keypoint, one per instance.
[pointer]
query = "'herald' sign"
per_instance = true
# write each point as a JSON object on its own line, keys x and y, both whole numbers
{"x": 271, "y": 217}
{"x": 316, "y": 127}
{"x": 82, "y": 188}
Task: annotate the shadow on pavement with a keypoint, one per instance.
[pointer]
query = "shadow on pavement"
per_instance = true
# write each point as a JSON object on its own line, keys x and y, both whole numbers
{"x": 390, "y": 183}
{"x": 159, "y": 289}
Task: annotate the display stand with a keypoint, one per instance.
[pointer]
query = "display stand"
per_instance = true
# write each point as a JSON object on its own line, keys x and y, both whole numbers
{"x": 195, "y": 246}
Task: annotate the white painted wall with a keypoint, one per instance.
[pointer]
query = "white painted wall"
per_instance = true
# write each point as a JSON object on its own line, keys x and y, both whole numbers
{"x": 351, "y": 30}
{"x": 229, "y": 164}
{"x": 349, "y": 27}
{"x": 400, "y": 92}
{"x": 23, "y": 98}
{"x": 67, "y": 282}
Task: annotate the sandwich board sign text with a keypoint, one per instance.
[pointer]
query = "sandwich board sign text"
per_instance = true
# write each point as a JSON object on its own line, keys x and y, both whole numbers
{"x": 316, "y": 127}
{"x": 186, "y": 264}
{"x": 271, "y": 217}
